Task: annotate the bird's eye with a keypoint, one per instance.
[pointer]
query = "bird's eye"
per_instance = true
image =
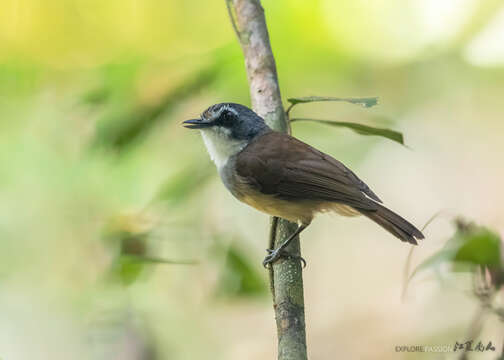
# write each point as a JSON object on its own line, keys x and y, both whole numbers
{"x": 225, "y": 119}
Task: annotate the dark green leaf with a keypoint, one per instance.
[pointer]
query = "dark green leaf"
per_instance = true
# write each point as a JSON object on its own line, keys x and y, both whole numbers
{"x": 365, "y": 102}
{"x": 133, "y": 243}
{"x": 471, "y": 245}
{"x": 129, "y": 268}
{"x": 480, "y": 248}
{"x": 239, "y": 276}
{"x": 96, "y": 96}
{"x": 127, "y": 271}
{"x": 360, "y": 129}
{"x": 446, "y": 254}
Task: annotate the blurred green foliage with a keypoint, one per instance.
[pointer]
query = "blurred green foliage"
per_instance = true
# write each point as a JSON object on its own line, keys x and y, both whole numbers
{"x": 468, "y": 249}
{"x": 480, "y": 247}
{"x": 118, "y": 130}
{"x": 478, "y": 251}
{"x": 128, "y": 237}
{"x": 180, "y": 186}
{"x": 240, "y": 277}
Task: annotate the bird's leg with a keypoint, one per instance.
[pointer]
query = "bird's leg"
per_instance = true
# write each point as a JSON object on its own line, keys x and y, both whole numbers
{"x": 275, "y": 254}
{"x": 283, "y": 254}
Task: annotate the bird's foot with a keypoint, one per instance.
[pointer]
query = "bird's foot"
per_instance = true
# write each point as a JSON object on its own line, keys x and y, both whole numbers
{"x": 274, "y": 255}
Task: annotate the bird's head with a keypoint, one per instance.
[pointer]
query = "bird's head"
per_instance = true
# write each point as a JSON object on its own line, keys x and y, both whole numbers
{"x": 232, "y": 121}
{"x": 226, "y": 129}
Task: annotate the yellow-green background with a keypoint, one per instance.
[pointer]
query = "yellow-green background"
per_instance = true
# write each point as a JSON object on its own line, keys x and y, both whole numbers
{"x": 92, "y": 156}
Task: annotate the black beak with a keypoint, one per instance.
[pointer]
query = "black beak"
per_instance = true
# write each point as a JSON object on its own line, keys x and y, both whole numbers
{"x": 196, "y": 124}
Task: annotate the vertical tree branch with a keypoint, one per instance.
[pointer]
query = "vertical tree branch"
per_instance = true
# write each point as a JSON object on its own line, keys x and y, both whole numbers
{"x": 286, "y": 279}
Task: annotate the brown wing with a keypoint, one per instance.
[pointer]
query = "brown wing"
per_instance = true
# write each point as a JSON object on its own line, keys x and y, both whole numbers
{"x": 280, "y": 165}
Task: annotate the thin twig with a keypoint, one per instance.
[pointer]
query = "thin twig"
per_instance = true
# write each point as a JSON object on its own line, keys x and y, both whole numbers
{"x": 475, "y": 328}
{"x": 286, "y": 279}
{"x": 232, "y": 17}
{"x": 407, "y": 265}
{"x": 287, "y": 112}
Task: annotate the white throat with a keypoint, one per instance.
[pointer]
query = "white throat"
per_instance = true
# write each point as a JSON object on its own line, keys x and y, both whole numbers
{"x": 220, "y": 147}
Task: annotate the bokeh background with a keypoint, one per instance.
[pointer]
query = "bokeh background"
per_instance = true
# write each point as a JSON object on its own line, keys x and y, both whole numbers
{"x": 101, "y": 186}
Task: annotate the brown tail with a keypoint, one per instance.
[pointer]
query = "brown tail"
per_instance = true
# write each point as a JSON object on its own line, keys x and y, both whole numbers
{"x": 394, "y": 224}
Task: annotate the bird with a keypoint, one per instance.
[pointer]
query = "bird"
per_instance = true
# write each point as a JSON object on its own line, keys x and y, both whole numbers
{"x": 282, "y": 176}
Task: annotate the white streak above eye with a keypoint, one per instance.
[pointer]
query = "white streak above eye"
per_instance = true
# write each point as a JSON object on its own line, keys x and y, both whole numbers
{"x": 215, "y": 111}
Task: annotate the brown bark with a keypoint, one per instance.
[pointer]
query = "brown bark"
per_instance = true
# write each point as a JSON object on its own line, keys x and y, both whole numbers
{"x": 286, "y": 278}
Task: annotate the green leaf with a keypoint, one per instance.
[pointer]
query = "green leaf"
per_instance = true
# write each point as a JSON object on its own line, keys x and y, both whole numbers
{"x": 96, "y": 96}
{"x": 480, "y": 248}
{"x": 365, "y": 102}
{"x": 360, "y": 129}
{"x": 240, "y": 277}
{"x": 127, "y": 271}
{"x": 470, "y": 245}
{"x": 434, "y": 261}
